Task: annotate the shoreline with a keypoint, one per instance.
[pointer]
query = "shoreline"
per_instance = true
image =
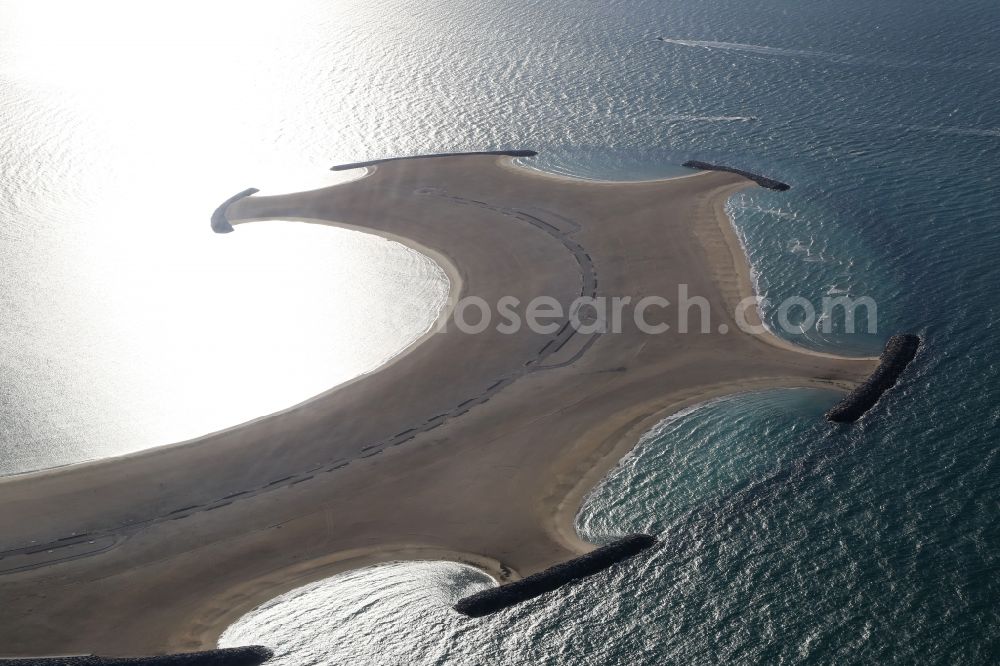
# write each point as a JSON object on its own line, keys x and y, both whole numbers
{"x": 444, "y": 314}
{"x": 627, "y": 439}
{"x": 545, "y": 436}
{"x": 747, "y": 286}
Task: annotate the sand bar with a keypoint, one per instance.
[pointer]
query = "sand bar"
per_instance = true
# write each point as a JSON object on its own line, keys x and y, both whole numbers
{"x": 476, "y": 448}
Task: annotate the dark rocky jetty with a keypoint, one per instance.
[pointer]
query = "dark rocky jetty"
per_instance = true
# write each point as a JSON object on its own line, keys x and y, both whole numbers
{"x": 899, "y": 351}
{"x": 220, "y": 223}
{"x": 242, "y": 656}
{"x": 507, "y": 153}
{"x": 497, "y": 598}
{"x": 763, "y": 181}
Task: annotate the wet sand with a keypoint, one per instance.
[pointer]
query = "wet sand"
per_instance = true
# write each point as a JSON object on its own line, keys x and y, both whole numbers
{"x": 476, "y": 448}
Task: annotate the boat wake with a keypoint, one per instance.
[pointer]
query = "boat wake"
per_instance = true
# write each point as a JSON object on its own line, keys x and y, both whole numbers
{"x": 712, "y": 119}
{"x": 839, "y": 58}
{"x": 760, "y": 50}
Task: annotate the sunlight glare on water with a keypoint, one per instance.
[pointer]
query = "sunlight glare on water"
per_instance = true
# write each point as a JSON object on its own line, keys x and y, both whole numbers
{"x": 127, "y": 322}
{"x": 787, "y": 540}
{"x": 399, "y": 612}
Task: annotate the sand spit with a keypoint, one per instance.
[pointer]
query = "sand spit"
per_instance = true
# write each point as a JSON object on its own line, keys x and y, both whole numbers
{"x": 472, "y": 448}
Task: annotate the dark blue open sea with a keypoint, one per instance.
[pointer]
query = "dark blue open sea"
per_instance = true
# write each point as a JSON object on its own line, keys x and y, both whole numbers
{"x": 787, "y": 540}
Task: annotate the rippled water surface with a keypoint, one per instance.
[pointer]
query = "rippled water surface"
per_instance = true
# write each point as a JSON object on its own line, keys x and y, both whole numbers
{"x": 786, "y": 540}
{"x": 126, "y": 323}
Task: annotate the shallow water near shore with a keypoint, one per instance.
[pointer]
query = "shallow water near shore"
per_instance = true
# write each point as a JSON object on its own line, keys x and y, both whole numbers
{"x": 786, "y": 539}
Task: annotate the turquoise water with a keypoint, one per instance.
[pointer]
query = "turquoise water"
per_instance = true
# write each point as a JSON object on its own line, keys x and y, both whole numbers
{"x": 786, "y": 540}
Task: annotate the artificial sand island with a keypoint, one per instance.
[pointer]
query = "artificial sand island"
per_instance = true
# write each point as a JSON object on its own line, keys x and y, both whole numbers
{"x": 473, "y": 448}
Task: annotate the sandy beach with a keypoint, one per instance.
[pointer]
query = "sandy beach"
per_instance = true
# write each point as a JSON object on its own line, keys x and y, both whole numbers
{"x": 475, "y": 448}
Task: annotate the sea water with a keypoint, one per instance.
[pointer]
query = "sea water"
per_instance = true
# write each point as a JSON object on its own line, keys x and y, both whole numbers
{"x": 785, "y": 539}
